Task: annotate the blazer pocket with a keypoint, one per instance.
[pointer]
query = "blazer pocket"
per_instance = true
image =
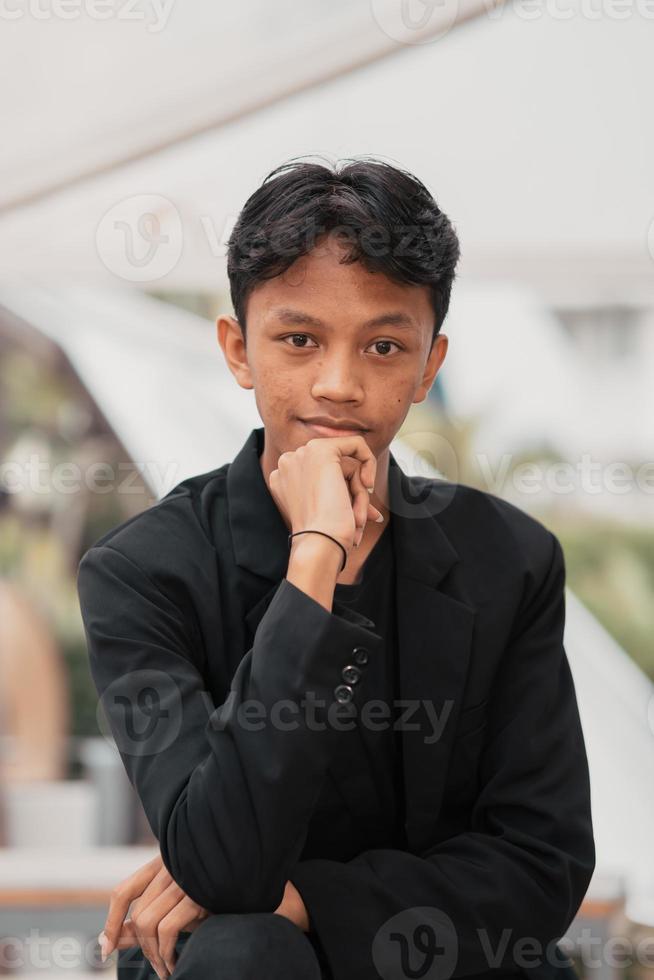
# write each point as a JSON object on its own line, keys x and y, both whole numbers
{"x": 472, "y": 719}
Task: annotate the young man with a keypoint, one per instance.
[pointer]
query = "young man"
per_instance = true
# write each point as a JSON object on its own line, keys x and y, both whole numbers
{"x": 361, "y": 754}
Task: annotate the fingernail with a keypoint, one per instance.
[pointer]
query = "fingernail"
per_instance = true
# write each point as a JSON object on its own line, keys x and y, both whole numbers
{"x": 379, "y": 519}
{"x": 104, "y": 946}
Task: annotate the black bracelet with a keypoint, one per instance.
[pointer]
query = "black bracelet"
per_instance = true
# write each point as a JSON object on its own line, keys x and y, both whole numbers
{"x": 327, "y": 536}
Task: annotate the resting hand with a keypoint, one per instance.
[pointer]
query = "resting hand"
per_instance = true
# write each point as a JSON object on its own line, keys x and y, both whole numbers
{"x": 160, "y": 910}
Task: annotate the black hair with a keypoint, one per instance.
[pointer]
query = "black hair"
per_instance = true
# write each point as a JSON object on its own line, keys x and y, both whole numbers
{"x": 391, "y": 222}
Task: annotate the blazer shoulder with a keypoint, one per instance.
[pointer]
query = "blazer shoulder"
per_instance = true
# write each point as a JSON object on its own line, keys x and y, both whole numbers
{"x": 173, "y": 531}
{"x": 496, "y": 526}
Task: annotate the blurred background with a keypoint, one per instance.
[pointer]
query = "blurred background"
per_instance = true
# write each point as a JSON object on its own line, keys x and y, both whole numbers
{"x": 132, "y": 135}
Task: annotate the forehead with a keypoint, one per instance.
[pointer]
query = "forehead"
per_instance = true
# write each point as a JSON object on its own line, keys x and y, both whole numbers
{"x": 321, "y": 286}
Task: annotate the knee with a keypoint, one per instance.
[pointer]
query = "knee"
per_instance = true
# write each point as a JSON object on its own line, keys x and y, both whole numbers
{"x": 245, "y": 947}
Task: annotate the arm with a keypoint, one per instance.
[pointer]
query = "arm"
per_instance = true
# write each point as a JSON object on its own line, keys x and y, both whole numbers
{"x": 523, "y": 866}
{"x": 228, "y": 790}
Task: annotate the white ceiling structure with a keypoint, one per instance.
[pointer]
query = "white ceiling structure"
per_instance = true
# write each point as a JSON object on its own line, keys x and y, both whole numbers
{"x": 532, "y": 132}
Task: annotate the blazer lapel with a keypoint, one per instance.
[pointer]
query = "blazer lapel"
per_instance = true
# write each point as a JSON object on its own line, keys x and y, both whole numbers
{"x": 434, "y": 633}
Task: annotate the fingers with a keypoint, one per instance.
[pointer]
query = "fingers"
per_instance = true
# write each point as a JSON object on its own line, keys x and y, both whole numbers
{"x": 358, "y": 447}
{"x": 121, "y": 897}
{"x": 149, "y": 918}
{"x": 198, "y": 920}
{"x": 362, "y": 451}
{"x": 127, "y": 936}
{"x": 159, "y": 911}
{"x": 359, "y": 504}
{"x": 147, "y": 937}
{"x": 186, "y": 915}
{"x": 363, "y": 509}
{"x": 157, "y": 935}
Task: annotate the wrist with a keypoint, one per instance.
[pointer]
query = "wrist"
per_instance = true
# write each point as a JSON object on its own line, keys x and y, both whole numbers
{"x": 314, "y": 566}
{"x": 300, "y": 914}
{"x": 317, "y": 548}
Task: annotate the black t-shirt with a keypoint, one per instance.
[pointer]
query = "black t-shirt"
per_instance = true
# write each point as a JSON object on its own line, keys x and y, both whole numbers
{"x": 374, "y": 597}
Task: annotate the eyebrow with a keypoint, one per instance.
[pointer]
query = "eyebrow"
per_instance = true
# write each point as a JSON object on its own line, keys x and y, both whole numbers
{"x": 394, "y": 319}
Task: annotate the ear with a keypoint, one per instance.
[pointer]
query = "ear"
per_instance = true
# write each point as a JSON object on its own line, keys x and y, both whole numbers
{"x": 432, "y": 367}
{"x": 230, "y": 338}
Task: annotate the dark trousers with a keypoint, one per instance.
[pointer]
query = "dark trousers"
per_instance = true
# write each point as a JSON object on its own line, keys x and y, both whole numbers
{"x": 262, "y": 944}
{"x": 236, "y": 947}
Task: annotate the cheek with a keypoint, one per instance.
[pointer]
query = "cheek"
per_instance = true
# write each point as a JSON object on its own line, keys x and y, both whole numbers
{"x": 397, "y": 387}
{"x": 277, "y": 387}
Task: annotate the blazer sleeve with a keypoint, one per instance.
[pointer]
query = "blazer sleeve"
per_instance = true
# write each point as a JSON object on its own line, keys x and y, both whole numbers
{"x": 526, "y": 860}
{"x": 228, "y": 790}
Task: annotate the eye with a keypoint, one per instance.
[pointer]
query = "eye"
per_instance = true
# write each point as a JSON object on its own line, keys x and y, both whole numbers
{"x": 293, "y": 336}
{"x": 386, "y": 342}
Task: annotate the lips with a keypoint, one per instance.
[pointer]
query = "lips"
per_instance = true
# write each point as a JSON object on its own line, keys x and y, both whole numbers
{"x": 328, "y": 430}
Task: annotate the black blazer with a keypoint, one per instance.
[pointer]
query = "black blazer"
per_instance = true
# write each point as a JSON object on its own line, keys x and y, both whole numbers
{"x": 204, "y": 656}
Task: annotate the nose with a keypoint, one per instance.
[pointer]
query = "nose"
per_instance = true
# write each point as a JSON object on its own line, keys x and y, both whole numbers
{"x": 336, "y": 379}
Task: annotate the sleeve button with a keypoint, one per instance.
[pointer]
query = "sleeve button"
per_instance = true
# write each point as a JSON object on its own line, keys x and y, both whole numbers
{"x": 343, "y": 693}
{"x": 360, "y": 655}
{"x": 351, "y": 674}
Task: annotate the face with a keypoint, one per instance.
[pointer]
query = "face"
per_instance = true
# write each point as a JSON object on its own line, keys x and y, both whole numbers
{"x": 333, "y": 340}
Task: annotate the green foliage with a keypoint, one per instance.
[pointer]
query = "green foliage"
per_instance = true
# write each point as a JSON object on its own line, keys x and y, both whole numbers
{"x": 83, "y": 695}
{"x": 610, "y": 568}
